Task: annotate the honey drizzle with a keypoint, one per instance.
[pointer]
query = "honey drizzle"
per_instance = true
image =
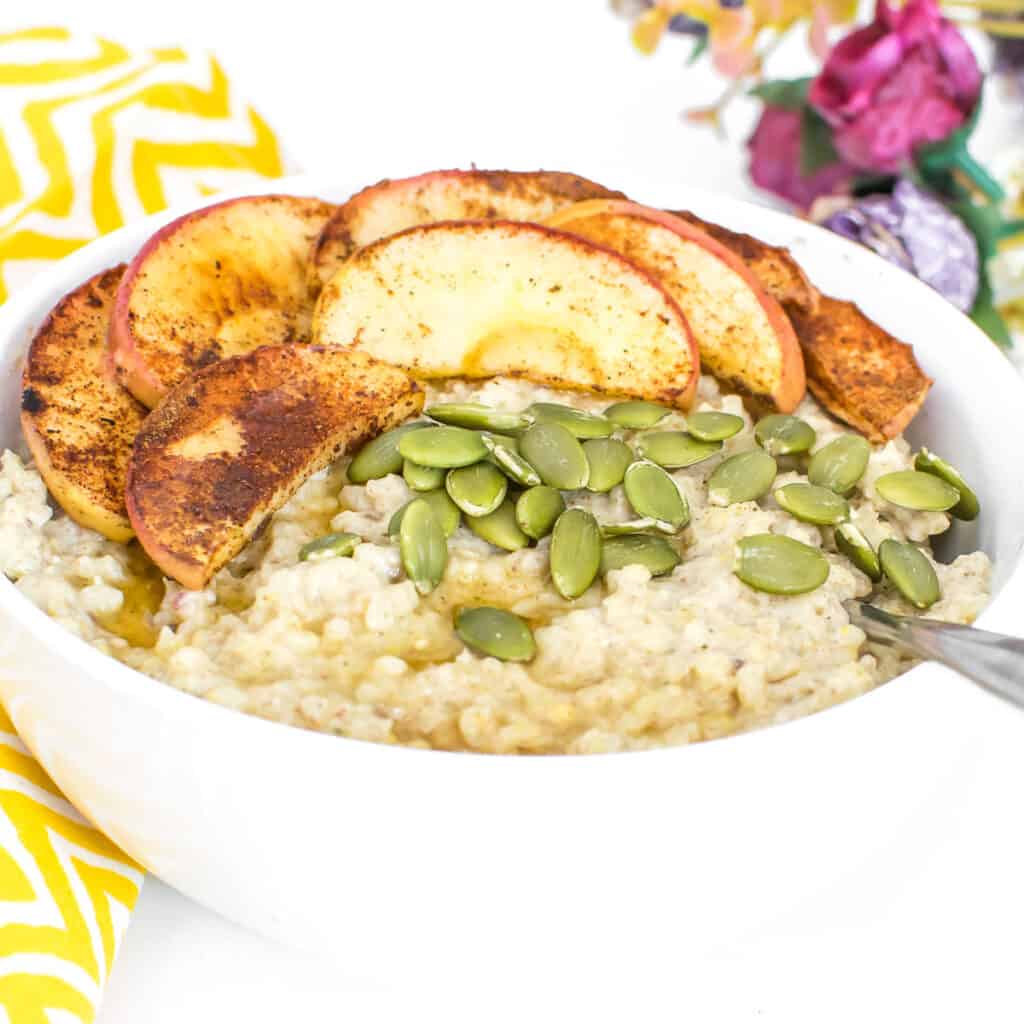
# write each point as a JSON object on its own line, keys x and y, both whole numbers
{"x": 143, "y": 594}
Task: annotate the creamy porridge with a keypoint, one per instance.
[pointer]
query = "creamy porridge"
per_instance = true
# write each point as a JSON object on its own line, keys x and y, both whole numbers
{"x": 348, "y": 646}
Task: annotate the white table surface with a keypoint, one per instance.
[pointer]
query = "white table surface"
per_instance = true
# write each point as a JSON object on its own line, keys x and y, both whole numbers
{"x": 932, "y": 930}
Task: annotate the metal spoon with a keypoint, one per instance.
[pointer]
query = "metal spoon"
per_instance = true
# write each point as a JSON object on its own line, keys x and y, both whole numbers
{"x": 992, "y": 660}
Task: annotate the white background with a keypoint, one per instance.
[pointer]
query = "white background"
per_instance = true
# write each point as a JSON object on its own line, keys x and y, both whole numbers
{"x": 932, "y": 931}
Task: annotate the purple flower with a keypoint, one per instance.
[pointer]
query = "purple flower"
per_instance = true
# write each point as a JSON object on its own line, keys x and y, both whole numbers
{"x": 907, "y": 78}
{"x": 775, "y": 161}
{"x": 683, "y": 24}
{"x": 916, "y": 232}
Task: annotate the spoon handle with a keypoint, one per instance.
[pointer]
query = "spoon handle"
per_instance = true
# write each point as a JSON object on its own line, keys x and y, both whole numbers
{"x": 992, "y": 660}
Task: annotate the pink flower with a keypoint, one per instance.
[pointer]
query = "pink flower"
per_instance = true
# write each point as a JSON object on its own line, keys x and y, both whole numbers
{"x": 775, "y": 161}
{"x": 907, "y": 78}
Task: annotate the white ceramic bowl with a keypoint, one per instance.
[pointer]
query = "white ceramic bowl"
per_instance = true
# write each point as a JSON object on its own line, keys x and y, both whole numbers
{"x": 426, "y": 865}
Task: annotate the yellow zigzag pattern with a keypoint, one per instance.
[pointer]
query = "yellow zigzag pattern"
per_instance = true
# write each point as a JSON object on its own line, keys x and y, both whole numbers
{"x": 30, "y": 986}
{"x": 163, "y": 126}
{"x": 127, "y": 100}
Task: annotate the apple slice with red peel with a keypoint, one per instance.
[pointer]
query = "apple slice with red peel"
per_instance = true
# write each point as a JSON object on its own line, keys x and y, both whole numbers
{"x": 233, "y": 442}
{"x": 509, "y": 298}
{"x": 78, "y": 422}
{"x": 744, "y": 337}
{"x": 773, "y": 265}
{"x": 215, "y": 283}
{"x": 392, "y": 206}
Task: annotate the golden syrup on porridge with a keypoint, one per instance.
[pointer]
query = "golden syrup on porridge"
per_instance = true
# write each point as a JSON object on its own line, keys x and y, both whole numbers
{"x": 143, "y": 594}
{"x": 234, "y": 597}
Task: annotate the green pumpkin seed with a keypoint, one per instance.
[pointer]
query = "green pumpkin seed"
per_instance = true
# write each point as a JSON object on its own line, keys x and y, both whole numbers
{"x": 608, "y": 459}
{"x": 910, "y": 572}
{"x": 575, "y": 552}
{"x": 675, "y": 449}
{"x": 713, "y": 426}
{"x": 779, "y": 434}
{"x": 422, "y": 478}
{"x": 743, "y": 477}
{"x": 812, "y": 504}
{"x": 496, "y": 633}
{"x": 478, "y": 489}
{"x": 779, "y": 565}
{"x": 395, "y": 522}
{"x": 967, "y": 507}
{"x": 445, "y": 447}
{"x": 422, "y": 545}
{"x": 489, "y": 437}
{"x": 380, "y": 456}
{"x": 510, "y": 462}
{"x": 636, "y": 415}
{"x": 920, "y": 491}
{"x": 557, "y": 456}
{"x": 840, "y": 464}
{"x": 446, "y": 511}
{"x": 655, "y": 554}
{"x": 475, "y": 416}
{"x": 500, "y": 528}
{"x": 334, "y": 545}
{"x": 653, "y": 494}
{"x": 576, "y": 421}
{"x": 515, "y": 467}
{"x": 852, "y": 543}
{"x": 538, "y": 509}
{"x": 632, "y": 526}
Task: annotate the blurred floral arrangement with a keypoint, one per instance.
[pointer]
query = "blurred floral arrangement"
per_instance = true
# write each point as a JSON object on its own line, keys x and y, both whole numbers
{"x": 875, "y": 145}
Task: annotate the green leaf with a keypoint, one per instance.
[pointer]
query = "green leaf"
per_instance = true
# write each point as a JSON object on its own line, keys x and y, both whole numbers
{"x": 984, "y": 221}
{"x": 937, "y": 162}
{"x": 940, "y": 180}
{"x": 699, "y": 47}
{"x": 787, "y": 94}
{"x": 1011, "y": 228}
{"x": 816, "y": 148}
{"x": 986, "y": 316}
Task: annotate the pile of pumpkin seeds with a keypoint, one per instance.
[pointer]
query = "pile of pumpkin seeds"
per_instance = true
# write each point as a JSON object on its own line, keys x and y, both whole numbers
{"x": 503, "y": 473}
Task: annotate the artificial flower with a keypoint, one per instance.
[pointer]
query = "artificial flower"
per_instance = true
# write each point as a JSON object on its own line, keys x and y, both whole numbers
{"x": 734, "y": 25}
{"x": 775, "y": 161}
{"x": 906, "y": 79}
{"x": 915, "y": 231}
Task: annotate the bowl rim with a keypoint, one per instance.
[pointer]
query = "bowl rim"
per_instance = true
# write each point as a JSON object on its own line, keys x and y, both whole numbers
{"x": 166, "y": 699}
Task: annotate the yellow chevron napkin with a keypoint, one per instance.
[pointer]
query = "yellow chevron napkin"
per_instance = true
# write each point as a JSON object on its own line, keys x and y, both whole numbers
{"x": 92, "y": 135}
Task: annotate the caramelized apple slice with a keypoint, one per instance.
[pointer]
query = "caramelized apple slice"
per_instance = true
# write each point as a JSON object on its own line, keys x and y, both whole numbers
{"x": 79, "y": 423}
{"x": 217, "y": 282}
{"x": 494, "y": 298}
{"x": 774, "y": 267}
{"x": 391, "y": 206}
{"x": 858, "y": 371}
{"x": 233, "y": 442}
{"x": 744, "y": 337}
